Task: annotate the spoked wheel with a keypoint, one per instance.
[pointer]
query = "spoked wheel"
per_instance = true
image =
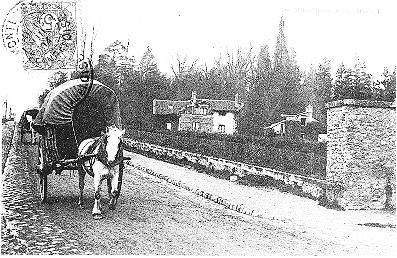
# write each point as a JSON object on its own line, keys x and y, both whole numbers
{"x": 43, "y": 188}
{"x": 42, "y": 169}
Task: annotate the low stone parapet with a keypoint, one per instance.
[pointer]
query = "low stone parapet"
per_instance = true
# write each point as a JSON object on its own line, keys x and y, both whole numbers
{"x": 312, "y": 187}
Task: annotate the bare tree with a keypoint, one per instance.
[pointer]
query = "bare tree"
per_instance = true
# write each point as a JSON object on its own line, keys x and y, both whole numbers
{"x": 186, "y": 77}
{"x": 238, "y": 70}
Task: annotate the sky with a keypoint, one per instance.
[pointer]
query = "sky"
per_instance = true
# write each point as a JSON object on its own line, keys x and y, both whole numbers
{"x": 341, "y": 31}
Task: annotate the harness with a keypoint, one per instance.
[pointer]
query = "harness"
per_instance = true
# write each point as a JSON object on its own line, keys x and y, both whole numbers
{"x": 101, "y": 155}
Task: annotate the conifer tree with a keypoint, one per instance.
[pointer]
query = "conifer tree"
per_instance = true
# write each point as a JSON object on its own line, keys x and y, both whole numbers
{"x": 323, "y": 85}
{"x": 259, "y": 102}
{"x": 389, "y": 84}
{"x": 148, "y": 64}
{"x": 339, "y": 87}
{"x": 153, "y": 85}
{"x": 285, "y": 79}
{"x": 353, "y": 83}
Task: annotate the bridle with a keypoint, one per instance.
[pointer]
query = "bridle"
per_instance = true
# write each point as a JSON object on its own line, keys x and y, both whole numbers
{"x": 101, "y": 155}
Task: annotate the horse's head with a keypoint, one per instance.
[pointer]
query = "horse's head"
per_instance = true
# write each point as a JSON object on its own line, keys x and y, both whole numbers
{"x": 114, "y": 139}
{"x": 29, "y": 118}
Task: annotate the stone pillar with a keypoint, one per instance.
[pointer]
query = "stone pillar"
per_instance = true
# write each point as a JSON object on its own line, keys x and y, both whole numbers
{"x": 361, "y": 156}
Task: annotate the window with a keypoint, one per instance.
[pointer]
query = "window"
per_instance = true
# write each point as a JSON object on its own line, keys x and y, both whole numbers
{"x": 169, "y": 127}
{"x": 204, "y": 110}
{"x": 282, "y": 131}
{"x": 222, "y": 113}
{"x": 221, "y": 128}
{"x": 196, "y": 126}
{"x": 303, "y": 135}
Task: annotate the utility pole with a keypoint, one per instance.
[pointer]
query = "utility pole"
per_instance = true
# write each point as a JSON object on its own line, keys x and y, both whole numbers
{"x": 5, "y": 110}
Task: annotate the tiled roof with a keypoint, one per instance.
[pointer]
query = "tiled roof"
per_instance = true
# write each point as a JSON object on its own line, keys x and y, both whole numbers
{"x": 222, "y": 105}
{"x": 165, "y": 107}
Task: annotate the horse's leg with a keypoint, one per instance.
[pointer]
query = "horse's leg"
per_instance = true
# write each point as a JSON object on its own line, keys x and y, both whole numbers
{"x": 31, "y": 136}
{"x": 114, "y": 184}
{"x": 109, "y": 182}
{"x": 33, "y": 133}
{"x": 96, "y": 210}
{"x": 81, "y": 185}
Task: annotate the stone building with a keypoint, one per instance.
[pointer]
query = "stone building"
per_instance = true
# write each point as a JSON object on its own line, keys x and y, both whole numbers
{"x": 202, "y": 115}
{"x": 361, "y": 157}
{"x": 300, "y": 125}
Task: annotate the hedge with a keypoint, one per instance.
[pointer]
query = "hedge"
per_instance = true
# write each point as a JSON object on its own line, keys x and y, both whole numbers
{"x": 288, "y": 155}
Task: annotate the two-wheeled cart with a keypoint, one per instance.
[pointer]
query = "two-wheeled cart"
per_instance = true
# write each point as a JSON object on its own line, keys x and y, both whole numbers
{"x": 71, "y": 113}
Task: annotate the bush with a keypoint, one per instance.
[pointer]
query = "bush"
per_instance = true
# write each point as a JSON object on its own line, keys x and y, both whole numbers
{"x": 289, "y": 155}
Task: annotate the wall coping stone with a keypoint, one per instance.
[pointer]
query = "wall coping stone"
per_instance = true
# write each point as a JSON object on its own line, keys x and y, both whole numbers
{"x": 360, "y": 103}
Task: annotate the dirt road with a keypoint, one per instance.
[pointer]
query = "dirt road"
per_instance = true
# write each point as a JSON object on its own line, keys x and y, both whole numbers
{"x": 152, "y": 217}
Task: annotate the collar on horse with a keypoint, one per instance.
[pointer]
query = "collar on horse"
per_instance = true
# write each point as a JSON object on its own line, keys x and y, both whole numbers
{"x": 102, "y": 155}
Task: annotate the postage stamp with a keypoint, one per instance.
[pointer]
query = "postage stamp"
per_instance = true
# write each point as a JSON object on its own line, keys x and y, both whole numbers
{"x": 49, "y": 35}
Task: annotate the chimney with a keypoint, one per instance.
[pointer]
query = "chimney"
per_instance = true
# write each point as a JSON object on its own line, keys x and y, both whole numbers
{"x": 194, "y": 97}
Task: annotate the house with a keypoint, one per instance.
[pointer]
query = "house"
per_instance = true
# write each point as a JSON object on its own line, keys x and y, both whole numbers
{"x": 302, "y": 125}
{"x": 202, "y": 115}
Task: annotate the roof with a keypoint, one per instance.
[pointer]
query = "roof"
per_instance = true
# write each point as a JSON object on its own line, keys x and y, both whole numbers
{"x": 304, "y": 114}
{"x": 360, "y": 103}
{"x": 223, "y": 105}
{"x": 166, "y": 107}
{"x": 29, "y": 111}
{"x": 273, "y": 125}
{"x": 61, "y": 103}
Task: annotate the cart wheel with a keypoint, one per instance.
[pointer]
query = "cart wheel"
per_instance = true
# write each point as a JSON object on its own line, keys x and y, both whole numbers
{"x": 43, "y": 187}
{"x": 42, "y": 168}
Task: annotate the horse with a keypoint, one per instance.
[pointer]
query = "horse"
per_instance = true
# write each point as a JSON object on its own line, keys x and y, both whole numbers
{"x": 105, "y": 164}
{"x": 27, "y": 128}
{"x": 34, "y": 135}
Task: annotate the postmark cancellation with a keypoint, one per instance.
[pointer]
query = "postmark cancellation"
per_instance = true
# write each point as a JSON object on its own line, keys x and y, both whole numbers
{"x": 45, "y": 33}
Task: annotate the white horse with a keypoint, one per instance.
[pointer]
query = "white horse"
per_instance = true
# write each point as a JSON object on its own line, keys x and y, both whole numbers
{"x": 105, "y": 164}
{"x": 34, "y": 134}
{"x": 31, "y": 131}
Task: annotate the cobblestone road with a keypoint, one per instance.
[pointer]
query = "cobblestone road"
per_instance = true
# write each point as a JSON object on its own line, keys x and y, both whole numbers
{"x": 6, "y": 139}
{"x": 26, "y": 228}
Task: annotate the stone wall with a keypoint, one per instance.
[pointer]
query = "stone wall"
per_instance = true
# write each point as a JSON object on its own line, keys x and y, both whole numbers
{"x": 361, "y": 153}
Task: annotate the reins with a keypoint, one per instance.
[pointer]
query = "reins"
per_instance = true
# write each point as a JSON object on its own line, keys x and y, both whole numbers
{"x": 101, "y": 155}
